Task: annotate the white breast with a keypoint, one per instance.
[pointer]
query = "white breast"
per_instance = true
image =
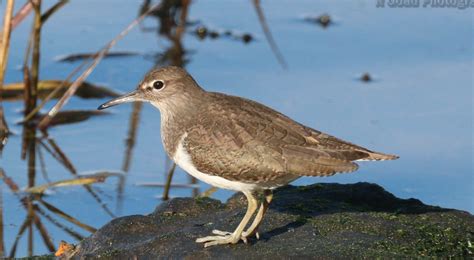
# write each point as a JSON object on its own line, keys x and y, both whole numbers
{"x": 183, "y": 160}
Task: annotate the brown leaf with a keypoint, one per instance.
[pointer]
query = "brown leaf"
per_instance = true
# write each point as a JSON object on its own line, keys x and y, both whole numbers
{"x": 65, "y": 249}
{"x": 14, "y": 91}
{"x": 83, "y": 56}
{"x": 72, "y": 116}
{"x": 82, "y": 180}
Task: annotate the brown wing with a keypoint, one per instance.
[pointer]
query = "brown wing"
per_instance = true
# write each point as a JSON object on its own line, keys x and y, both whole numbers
{"x": 258, "y": 144}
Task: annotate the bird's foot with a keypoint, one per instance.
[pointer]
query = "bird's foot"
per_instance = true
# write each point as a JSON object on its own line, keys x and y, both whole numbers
{"x": 222, "y": 237}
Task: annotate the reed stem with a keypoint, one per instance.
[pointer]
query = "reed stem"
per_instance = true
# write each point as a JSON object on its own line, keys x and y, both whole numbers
{"x": 4, "y": 47}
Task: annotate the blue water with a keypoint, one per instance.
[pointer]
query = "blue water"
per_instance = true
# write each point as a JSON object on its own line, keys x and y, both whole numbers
{"x": 420, "y": 105}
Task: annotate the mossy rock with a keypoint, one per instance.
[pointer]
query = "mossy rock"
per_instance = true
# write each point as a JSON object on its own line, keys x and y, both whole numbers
{"x": 321, "y": 220}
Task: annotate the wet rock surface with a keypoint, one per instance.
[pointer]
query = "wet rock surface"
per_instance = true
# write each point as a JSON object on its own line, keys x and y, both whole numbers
{"x": 320, "y": 220}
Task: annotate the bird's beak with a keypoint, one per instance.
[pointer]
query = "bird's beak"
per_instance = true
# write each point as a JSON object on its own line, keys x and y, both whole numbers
{"x": 129, "y": 97}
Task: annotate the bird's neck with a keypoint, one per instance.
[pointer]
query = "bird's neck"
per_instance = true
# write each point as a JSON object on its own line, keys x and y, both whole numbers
{"x": 177, "y": 115}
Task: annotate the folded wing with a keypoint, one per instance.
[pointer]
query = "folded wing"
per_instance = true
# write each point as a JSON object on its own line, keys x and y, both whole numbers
{"x": 256, "y": 143}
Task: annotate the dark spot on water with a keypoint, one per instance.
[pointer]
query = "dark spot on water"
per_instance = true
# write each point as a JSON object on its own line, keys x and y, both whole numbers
{"x": 366, "y": 77}
{"x": 201, "y": 32}
{"x": 323, "y": 20}
{"x": 213, "y": 34}
{"x": 246, "y": 38}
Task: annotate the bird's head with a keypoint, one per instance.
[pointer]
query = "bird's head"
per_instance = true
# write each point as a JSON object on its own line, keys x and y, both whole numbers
{"x": 160, "y": 87}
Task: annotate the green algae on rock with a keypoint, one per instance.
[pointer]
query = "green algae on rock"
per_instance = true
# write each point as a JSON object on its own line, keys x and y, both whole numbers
{"x": 320, "y": 220}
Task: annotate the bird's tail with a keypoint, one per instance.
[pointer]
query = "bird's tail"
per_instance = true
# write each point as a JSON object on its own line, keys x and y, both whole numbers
{"x": 375, "y": 156}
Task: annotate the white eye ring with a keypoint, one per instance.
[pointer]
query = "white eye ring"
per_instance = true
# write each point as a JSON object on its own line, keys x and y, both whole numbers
{"x": 158, "y": 84}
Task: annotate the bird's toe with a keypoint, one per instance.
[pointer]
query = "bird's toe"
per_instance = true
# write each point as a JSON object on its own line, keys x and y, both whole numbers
{"x": 221, "y": 233}
{"x": 222, "y": 238}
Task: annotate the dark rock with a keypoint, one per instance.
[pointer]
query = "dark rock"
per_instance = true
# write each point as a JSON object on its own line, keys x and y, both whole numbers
{"x": 320, "y": 220}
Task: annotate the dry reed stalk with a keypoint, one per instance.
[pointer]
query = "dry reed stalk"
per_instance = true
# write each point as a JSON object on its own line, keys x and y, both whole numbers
{"x": 52, "y": 10}
{"x": 5, "y": 40}
{"x": 23, "y": 13}
{"x": 268, "y": 34}
{"x": 169, "y": 178}
{"x": 31, "y": 90}
{"x": 66, "y": 216}
{"x": 43, "y": 232}
{"x": 22, "y": 229}
{"x": 4, "y": 47}
{"x": 58, "y": 224}
{"x": 130, "y": 144}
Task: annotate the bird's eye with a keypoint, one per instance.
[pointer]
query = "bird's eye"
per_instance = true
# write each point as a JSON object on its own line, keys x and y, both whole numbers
{"x": 158, "y": 84}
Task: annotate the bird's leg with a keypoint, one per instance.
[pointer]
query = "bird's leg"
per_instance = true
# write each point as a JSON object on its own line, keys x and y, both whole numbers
{"x": 233, "y": 238}
{"x": 252, "y": 230}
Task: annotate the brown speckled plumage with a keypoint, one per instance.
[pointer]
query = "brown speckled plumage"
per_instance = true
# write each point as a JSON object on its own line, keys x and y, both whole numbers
{"x": 249, "y": 142}
{"x": 242, "y": 140}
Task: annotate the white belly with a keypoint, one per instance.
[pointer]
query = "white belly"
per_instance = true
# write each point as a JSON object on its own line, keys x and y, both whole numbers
{"x": 183, "y": 160}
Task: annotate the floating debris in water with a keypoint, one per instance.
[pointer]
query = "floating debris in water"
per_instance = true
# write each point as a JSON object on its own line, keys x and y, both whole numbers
{"x": 14, "y": 91}
{"x": 247, "y": 38}
{"x": 83, "y": 56}
{"x": 72, "y": 116}
{"x": 213, "y": 34}
{"x": 203, "y": 32}
{"x": 80, "y": 180}
{"x": 323, "y": 20}
{"x": 366, "y": 77}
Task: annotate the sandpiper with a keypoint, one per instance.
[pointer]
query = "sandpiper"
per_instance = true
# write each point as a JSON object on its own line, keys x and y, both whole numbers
{"x": 238, "y": 144}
